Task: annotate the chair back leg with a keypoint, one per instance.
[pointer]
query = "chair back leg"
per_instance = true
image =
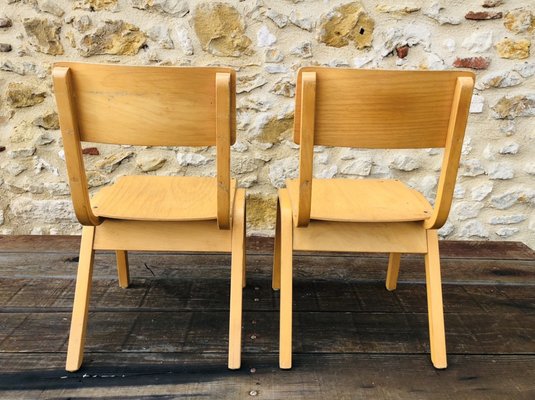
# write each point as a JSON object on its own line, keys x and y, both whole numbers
{"x": 393, "y": 271}
{"x": 122, "y": 268}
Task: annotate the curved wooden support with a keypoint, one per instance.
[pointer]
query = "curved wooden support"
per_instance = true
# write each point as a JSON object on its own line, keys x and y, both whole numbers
{"x": 393, "y": 271}
{"x": 223, "y": 131}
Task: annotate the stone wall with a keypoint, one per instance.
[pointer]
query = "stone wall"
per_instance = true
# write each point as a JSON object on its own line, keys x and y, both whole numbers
{"x": 266, "y": 41}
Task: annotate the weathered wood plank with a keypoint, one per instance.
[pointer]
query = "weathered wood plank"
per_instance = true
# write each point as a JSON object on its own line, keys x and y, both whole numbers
{"x": 164, "y": 265}
{"x": 318, "y": 376}
{"x": 449, "y": 248}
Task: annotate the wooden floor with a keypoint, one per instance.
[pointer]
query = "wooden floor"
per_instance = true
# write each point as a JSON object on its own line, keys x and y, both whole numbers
{"x": 166, "y": 336}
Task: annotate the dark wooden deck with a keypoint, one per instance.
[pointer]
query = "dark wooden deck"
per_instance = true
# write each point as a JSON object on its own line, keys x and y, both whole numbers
{"x": 166, "y": 336}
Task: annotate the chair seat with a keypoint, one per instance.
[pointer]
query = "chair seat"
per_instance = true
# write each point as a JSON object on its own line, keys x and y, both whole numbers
{"x": 347, "y": 200}
{"x": 160, "y": 198}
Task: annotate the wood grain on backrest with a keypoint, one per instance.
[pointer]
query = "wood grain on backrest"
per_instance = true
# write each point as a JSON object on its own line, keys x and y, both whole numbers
{"x": 152, "y": 106}
{"x": 380, "y": 109}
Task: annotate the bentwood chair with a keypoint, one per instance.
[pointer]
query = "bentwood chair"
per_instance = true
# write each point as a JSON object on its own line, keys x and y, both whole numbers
{"x": 153, "y": 106}
{"x": 379, "y": 110}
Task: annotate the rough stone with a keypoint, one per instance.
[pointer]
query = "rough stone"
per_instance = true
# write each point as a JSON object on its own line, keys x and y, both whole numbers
{"x": 160, "y": 34}
{"x": 274, "y": 128}
{"x": 24, "y": 68}
{"x": 403, "y": 162}
{"x": 284, "y": 87}
{"x": 474, "y": 229}
{"x": 303, "y": 50}
{"x": 278, "y": 19}
{"x": 261, "y": 210}
{"x": 177, "y": 8}
{"x": 472, "y": 167}
{"x": 96, "y": 5}
{"x": 26, "y": 208}
{"x": 513, "y": 49}
{"x": 477, "y": 104}
{"x": 273, "y": 56}
{"x": 435, "y": 12}
{"x": 525, "y": 69}
{"x": 302, "y": 22}
{"x": 510, "y": 148}
{"x": 326, "y": 173}
{"x": 506, "y": 232}
{"x": 472, "y": 62}
{"x": 280, "y": 170}
{"x": 478, "y": 42}
{"x": 113, "y": 37}
{"x": 506, "y": 200}
{"x": 184, "y": 40}
{"x": 509, "y": 107}
{"x": 360, "y": 167}
{"x": 402, "y": 51}
{"x": 519, "y": 21}
{"x": 220, "y": 30}
{"x": 492, "y": 3}
{"x": 247, "y": 83}
{"x": 22, "y": 152}
{"x": 44, "y": 139}
{"x": 110, "y": 163}
{"x": 347, "y": 23}
{"x": 530, "y": 168}
{"x": 82, "y": 23}
{"x": 410, "y": 35}
{"x": 96, "y": 178}
{"x": 483, "y": 15}
{"x": 91, "y": 151}
{"x": 482, "y": 191}
{"x": 264, "y": 38}
{"x": 397, "y": 8}
{"x": 466, "y": 210}
{"x": 508, "y": 219}
{"x": 243, "y": 165}
{"x": 49, "y": 121}
{"x": 14, "y": 168}
{"x": 5, "y": 48}
{"x": 447, "y": 229}
{"x": 449, "y": 44}
{"x": 499, "y": 79}
{"x": 191, "y": 159}
{"x": 150, "y": 162}
{"x": 6, "y": 22}
{"x": 21, "y": 95}
{"x": 501, "y": 171}
{"x": 276, "y": 69}
{"x": 51, "y": 7}
{"x": 43, "y": 35}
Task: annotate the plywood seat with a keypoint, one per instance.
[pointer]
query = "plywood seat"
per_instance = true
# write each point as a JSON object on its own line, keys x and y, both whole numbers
{"x": 347, "y": 200}
{"x": 160, "y": 198}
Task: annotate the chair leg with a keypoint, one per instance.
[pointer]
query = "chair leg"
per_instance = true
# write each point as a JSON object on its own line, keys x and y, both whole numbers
{"x": 286, "y": 254}
{"x": 276, "y": 274}
{"x": 437, "y": 336}
{"x": 75, "y": 350}
{"x": 236, "y": 281}
{"x": 393, "y": 271}
{"x": 122, "y": 268}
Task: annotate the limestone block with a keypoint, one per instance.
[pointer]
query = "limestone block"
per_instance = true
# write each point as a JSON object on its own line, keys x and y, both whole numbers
{"x": 21, "y": 95}
{"x": 509, "y": 107}
{"x": 96, "y": 5}
{"x": 347, "y": 23}
{"x": 513, "y": 49}
{"x": 43, "y": 35}
{"x": 221, "y": 30}
{"x": 113, "y": 37}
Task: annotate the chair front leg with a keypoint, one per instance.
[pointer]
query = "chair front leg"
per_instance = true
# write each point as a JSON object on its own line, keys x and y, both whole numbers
{"x": 237, "y": 277}
{"x": 75, "y": 350}
{"x": 437, "y": 335}
{"x": 122, "y": 268}
{"x": 286, "y": 255}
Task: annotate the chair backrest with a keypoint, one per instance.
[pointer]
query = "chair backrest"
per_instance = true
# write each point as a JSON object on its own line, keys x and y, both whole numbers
{"x": 152, "y": 106}
{"x": 381, "y": 109}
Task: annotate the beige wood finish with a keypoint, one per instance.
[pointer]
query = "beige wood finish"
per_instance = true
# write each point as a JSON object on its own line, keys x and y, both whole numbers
{"x": 380, "y": 109}
{"x": 181, "y": 107}
{"x": 363, "y": 200}
{"x": 176, "y": 119}
{"x": 371, "y": 109}
{"x": 159, "y": 198}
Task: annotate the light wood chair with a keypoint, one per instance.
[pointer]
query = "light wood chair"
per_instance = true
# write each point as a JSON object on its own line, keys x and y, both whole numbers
{"x": 371, "y": 109}
{"x": 154, "y": 106}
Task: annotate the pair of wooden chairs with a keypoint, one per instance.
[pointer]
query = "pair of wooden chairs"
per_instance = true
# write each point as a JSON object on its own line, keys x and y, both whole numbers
{"x": 168, "y": 106}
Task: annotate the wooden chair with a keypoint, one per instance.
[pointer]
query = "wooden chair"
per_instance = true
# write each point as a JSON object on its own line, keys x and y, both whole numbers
{"x": 371, "y": 109}
{"x": 154, "y": 106}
